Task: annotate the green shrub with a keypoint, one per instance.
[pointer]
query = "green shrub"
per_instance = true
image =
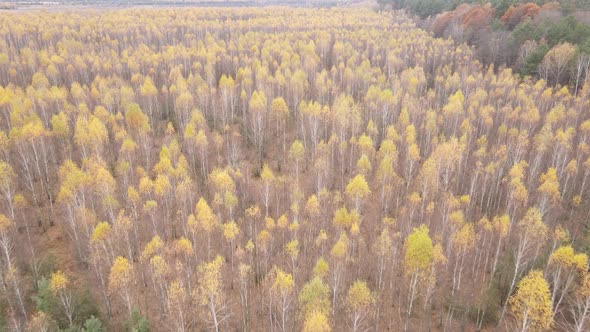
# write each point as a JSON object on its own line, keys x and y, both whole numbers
{"x": 137, "y": 323}
{"x": 93, "y": 324}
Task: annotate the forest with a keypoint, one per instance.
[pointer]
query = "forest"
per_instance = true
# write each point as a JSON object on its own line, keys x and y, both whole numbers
{"x": 284, "y": 169}
{"x": 522, "y": 35}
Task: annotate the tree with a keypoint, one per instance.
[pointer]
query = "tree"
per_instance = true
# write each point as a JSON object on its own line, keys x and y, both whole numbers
{"x": 121, "y": 279}
{"x": 296, "y": 154}
{"x": 383, "y": 248}
{"x": 183, "y": 249}
{"x": 386, "y": 176}
{"x": 153, "y": 247}
{"x": 137, "y": 322}
{"x": 581, "y": 305}
{"x": 281, "y": 290}
{"x": 518, "y": 191}
{"x": 230, "y": 231}
{"x": 556, "y": 61}
{"x": 29, "y": 142}
{"x": 500, "y": 225}
{"x": 93, "y": 324}
{"x": 244, "y": 274}
{"x": 210, "y": 291}
{"x": 420, "y": 256}
{"x": 268, "y": 178}
{"x": 9, "y": 273}
{"x": 101, "y": 257}
{"x": 228, "y": 96}
{"x": 531, "y": 304}
{"x": 357, "y": 189}
{"x": 177, "y": 300}
{"x": 582, "y": 70}
{"x": 311, "y": 114}
{"x": 42, "y": 322}
{"x": 258, "y": 110}
{"x": 533, "y": 60}
{"x": 280, "y": 112}
{"x": 224, "y": 187}
{"x": 149, "y": 91}
{"x": 292, "y": 249}
{"x": 59, "y": 284}
{"x": 202, "y": 143}
{"x": 518, "y": 13}
{"x": 564, "y": 266}
{"x": 549, "y": 189}
{"x": 360, "y": 302}
{"x": 122, "y": 227}
{"x": 412, "y": 153}
{"x": 90, "y": 135}
{"x": 206, "y": 219}
{"x": 8, "y": 186}
{"x": 338, "y": 253}
{"x": 315, "y": 297}
{"x": 453, "y": 110}
{"x": 159, "y": 269}
{"x": 463, "y": 241}
{"x": 532, "y": 233}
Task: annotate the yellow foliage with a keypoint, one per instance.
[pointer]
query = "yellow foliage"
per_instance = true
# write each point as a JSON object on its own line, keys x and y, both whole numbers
{"x": 464, "y": 239}
{"x": 283, "y": 282}
{"x": 312, "y": 206}
{"x": 532, "y": 223}
{"x": 321, "y": 268}
{"x": 315, "y": 297}
{"x": 550, "y": 185}
{"x": 297, "y": 151}
{"x": 205, "y": 217}
{"x": 101, "y": 232}
{"x": 316, "y": 322}
{"x": 121, "y": 275}
{"x": 58, "y": 282}
{"x": 184, "y": 247}
{"x": 253, "y": 211}
{"x": 359, "y": 297}
{"x": 230, "y": 230}
{"x": 501, "y": 225}
{"x": 152, "y": 247}
{"x": 210, "y": 285}
{"x": 565, "y": 257}
{"x": 419, "y": 251}
{"x": 250, "y": 246}
{"x": 257, "y": 102}
{"x": 531, "y": 304}
{"x": 340, "y": 247}
{"x": 561, "y": 234}
{"x": 282, "y": 221}
{"x": 266, "y": 175}
{"x": 159, "y": 266}
{"x": 269, "y": 223}
{"x": 292, "y": 248}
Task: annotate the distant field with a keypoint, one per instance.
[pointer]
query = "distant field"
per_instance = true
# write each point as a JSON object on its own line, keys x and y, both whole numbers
{"x": 189, "y": 3}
